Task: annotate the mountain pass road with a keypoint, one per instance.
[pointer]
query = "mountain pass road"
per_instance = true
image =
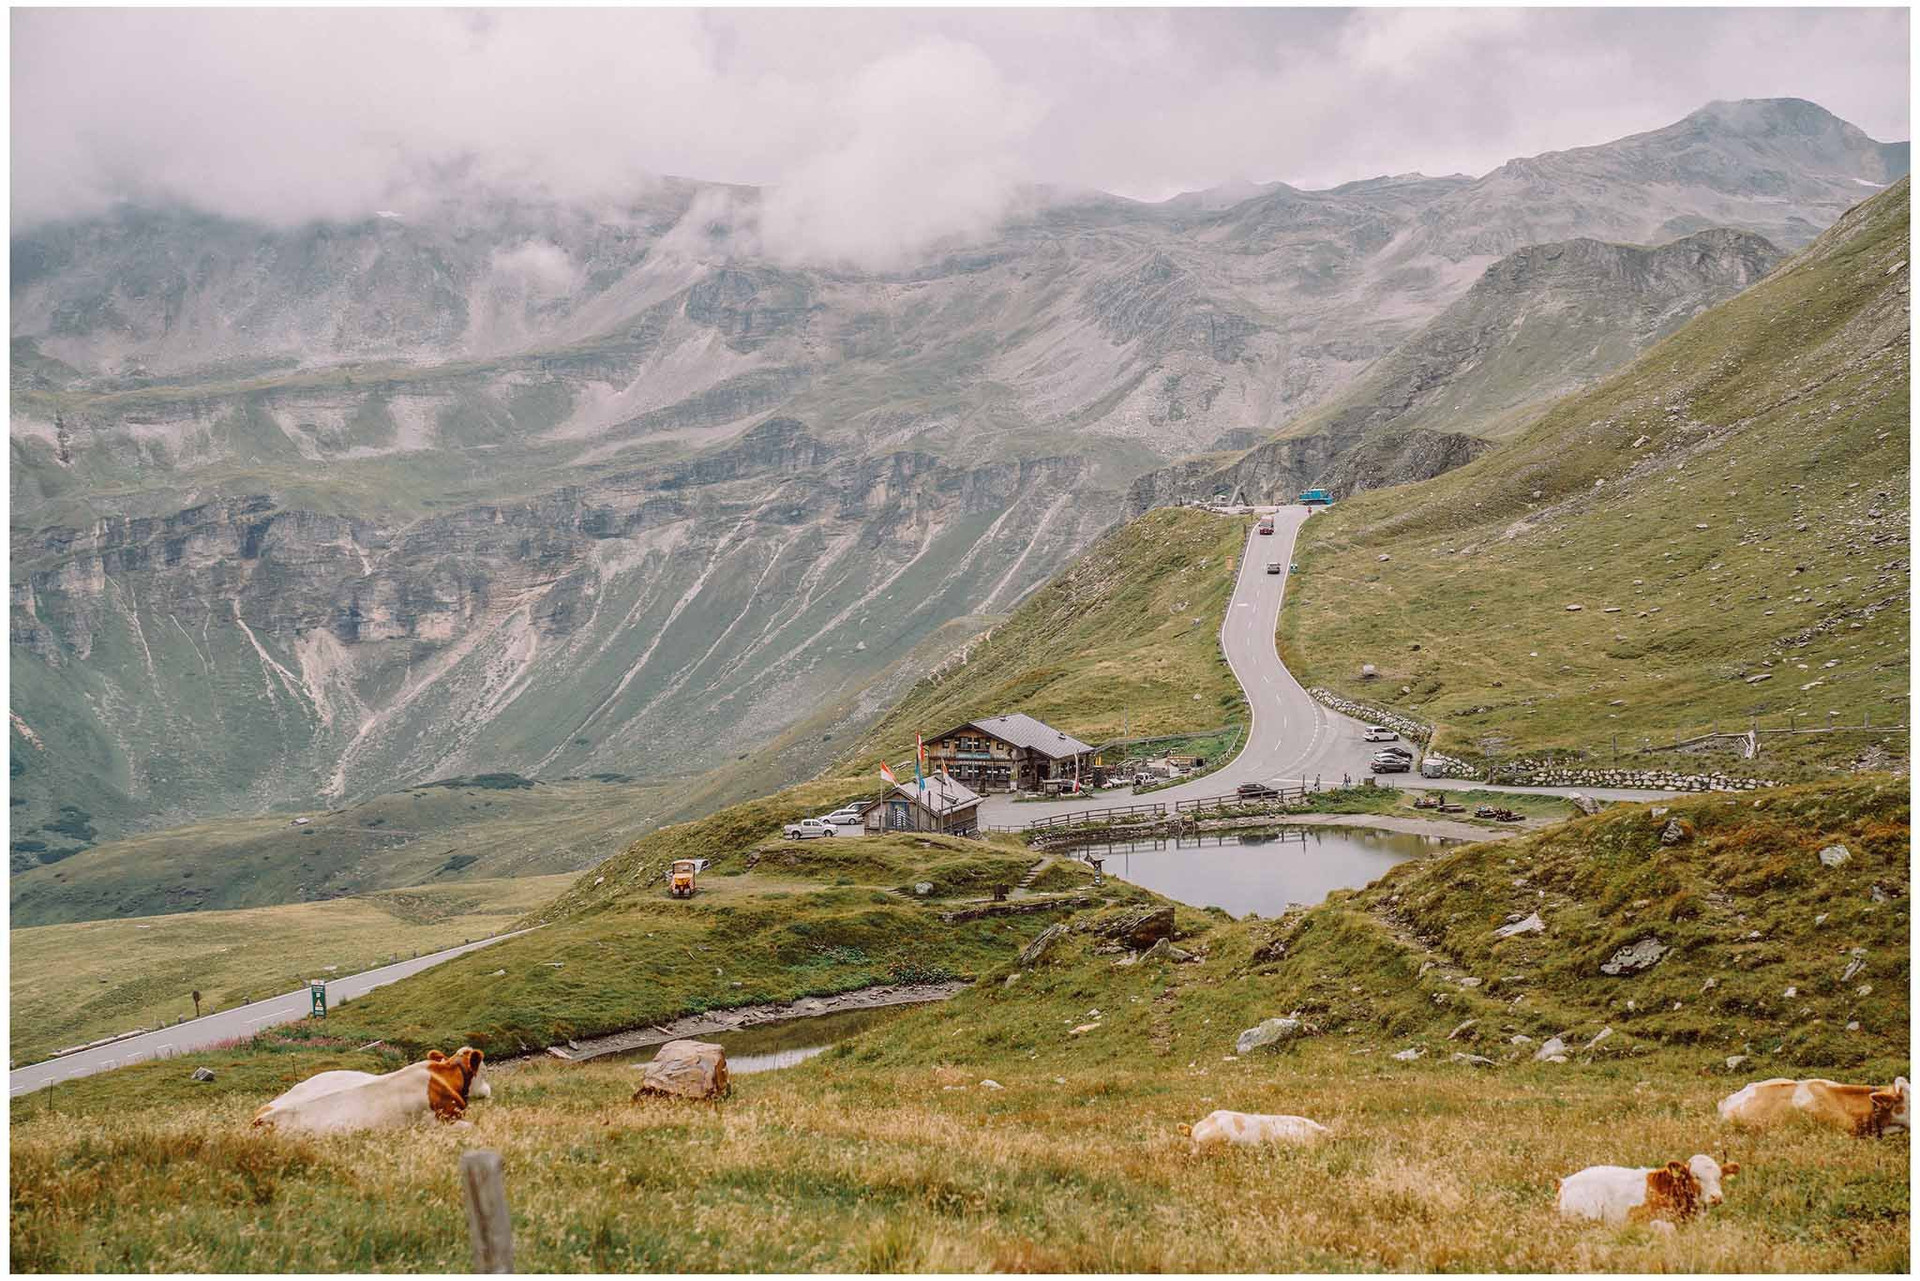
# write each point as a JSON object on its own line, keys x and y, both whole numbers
{"x": 1292, "y": 738}
{"x": 228, "y": 1025}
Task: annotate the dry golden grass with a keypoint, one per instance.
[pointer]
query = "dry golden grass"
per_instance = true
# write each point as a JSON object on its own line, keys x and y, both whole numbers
{"x": 840, "y": 1166}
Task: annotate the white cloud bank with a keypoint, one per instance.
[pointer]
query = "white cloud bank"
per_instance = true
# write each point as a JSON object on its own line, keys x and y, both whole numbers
{"x": 876, "y": 133}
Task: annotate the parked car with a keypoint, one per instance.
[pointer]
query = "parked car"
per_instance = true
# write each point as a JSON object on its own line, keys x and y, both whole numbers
{"x": 1380, "y": 734}
{"x": 806, "y": 829}
{"x": 1390, "y": 765}
{"x": 1257, "y": 792}
{"x": 1274, "y": 567}
{"x": 843, "y": 817}
{"x": 1432, "y": 769}
{"x": 1400, "y": 752}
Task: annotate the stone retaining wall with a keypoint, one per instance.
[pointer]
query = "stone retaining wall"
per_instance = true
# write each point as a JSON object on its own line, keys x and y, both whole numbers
{"x": 1413, "y": 729}
{"x": 1550, "y": 773}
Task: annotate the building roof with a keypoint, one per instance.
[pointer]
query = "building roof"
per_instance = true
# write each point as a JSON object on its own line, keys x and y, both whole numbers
{"x": 943, "y": 796}
{"x": 1023, "y": 731}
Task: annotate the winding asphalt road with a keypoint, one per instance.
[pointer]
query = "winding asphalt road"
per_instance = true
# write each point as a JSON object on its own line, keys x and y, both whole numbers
{"x": 1293, "y": 738}
{"x": 228, "y": 1025}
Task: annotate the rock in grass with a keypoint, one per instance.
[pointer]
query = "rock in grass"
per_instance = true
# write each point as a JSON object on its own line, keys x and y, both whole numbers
{"x": 687, "y": 1070}
{"x": 1635, "y": 957}
{"x": 202, "y": 1074}
{"x": 1409, "y": 1055}
{"x": 1270, "y": 1032}
{"x": 1472, "y": 1060}
{"x": 1834, "y": 855}
{"x": 1677, "y": 832}
{"x": 1554, "y": 1051}
{"x": 1532, "y": 925}
{"x": 1141, "y": 928}
{"x": 1735, "y": 1062}
{"x": 1038, "y": 948}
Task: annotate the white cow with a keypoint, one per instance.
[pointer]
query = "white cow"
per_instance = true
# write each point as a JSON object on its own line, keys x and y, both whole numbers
{"x": 1251, "y": 1129}
{"x": 1621, "y": 1194}
{"x": 327, "y": 1082}
{"x": 342, "y": 1101}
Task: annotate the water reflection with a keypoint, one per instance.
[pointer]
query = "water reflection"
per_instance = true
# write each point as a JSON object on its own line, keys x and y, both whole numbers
{"x": 1260, "y": 872}
{"x": 780, "y": 1044}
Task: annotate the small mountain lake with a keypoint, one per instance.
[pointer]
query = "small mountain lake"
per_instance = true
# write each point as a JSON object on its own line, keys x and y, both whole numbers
{"x": 780, "y": 1044}
{"x": 1261, "y": 872}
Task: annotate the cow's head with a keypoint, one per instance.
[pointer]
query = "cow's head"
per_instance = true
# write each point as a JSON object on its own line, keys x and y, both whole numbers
{"x": 450, "y": 1081}
{"x": 1673, "y": 1191}
{"x": 1710, "y": 1174}
{"x": 1892, "y": 1107}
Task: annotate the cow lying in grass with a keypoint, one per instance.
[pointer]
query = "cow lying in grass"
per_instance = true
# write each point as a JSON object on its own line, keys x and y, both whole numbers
{"x": 343, "y": 1101}
{"x": 1619, "y": 1194}
{"x": 1251, "y": 1129}
{"x": 1865, "y": 1111}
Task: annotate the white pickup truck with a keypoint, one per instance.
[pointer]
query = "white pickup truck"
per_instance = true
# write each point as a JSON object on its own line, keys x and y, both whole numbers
{"x": 806, "y": 829}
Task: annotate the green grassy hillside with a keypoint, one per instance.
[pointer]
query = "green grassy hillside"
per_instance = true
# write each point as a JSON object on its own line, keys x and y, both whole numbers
{"x": 468, "y": 829}
{"x": 1730, "y": 514}
{"x": 1127, "y": 637}
{"x": 71, "y": 983}
{"x": 772, "y": 921}
{"x": 891, "y": 1153}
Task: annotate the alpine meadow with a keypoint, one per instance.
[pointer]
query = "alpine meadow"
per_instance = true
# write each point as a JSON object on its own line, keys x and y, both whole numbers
{"x": 909, "y": 640}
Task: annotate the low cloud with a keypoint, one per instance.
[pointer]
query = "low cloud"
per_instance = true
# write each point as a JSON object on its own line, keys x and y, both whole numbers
{"x": 536, "y": 269}
{"x": 930, "y": 148}
{"x": 873, "y": 135}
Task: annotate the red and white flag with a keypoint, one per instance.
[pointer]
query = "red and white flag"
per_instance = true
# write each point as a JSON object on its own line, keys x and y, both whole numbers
{"x": 887, "y": 773}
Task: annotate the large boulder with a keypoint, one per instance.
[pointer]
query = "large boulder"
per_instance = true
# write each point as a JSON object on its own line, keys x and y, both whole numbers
{"x": 687, "y": 1070}
{"x": 1270, "y": 1032}
{"x": 1140, "y": 927}
{"x": 1635, "y": 957}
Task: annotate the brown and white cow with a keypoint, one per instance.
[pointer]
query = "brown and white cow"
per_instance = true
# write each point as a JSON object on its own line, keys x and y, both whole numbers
{"x": 1251, "y": 1129}
{"x": 1866, "y": 1111}
{"x": 1624, "y": 1194}
{"x": 334, "y": 1102}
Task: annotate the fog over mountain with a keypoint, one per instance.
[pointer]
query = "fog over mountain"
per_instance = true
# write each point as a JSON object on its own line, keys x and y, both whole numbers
{"x": 386, "y": 417}
{"x": 875, "y": 132}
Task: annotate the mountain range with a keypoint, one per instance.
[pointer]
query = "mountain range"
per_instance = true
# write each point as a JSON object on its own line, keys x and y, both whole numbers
{"x": 304, "y": 514}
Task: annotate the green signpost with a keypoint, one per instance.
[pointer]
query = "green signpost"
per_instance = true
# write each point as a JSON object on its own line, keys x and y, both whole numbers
{"x": 317, "y": 989}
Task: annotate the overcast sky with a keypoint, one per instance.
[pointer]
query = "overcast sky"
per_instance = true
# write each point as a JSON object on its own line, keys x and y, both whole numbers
{"x": 923, "y": 121}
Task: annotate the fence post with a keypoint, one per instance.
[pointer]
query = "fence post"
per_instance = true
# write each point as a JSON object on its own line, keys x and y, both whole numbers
{"x": 488, "y": 1222}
